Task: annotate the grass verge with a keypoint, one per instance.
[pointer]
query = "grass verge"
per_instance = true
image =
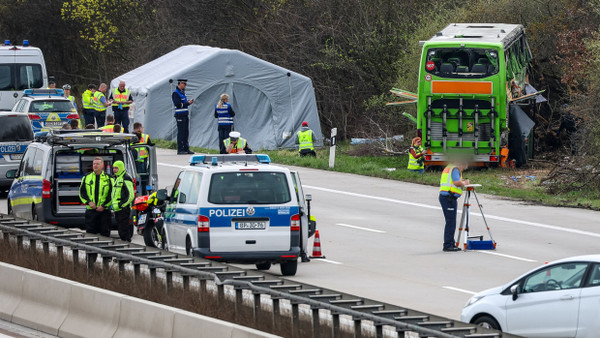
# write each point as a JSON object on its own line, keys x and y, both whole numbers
{"x": 519, "y": 183}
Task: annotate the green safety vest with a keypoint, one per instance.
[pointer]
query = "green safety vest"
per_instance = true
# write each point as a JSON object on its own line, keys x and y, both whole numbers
{"x": 122, "y": 192}
{"x": 413, "y": 163}
{"x": 305, "y": 140}
{"x": 86, "y": 190}
{"x": 446, "y": 183}
{"x": 98, "y": 106}
{"x": 241, "y": 144}
{"x": 86, "y": 99}
{"x": 120, "y": 97}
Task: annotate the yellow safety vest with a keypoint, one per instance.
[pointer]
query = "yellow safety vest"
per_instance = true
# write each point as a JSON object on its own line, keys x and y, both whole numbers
{"x": 98, "y": 106}
{"x": 241, "y": 144}
{"x": 86, "y": 99}
{"x": 120, "y": 97}
{"x": 305, "y": 140}
{"x": 87, "y": 189}
{"x": 413, "y": 163}
{"x": 142, "y": 152}
{"x": 446, "y": 183}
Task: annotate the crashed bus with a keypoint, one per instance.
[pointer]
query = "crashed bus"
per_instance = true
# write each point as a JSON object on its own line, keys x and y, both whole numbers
{"x": 472, "y": 80}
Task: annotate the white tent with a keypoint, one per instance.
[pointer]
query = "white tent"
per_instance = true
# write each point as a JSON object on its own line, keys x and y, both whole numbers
{"x": 270, "y": 102}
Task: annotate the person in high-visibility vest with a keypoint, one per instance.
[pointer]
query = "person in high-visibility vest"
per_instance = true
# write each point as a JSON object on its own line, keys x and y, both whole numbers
{"x": 121, "y": 100}
{"x": 67, "y": 91}
{"x": 141, "y": 161}
{"x": 451, "y": 184}
{"x": 95, "y": 192}
{"x": 305, "y": 139}
{"x": 100, "y": 104}
{"x": 236, "y": 145}
{"x": 88, "y": 104}
{"x": 224, "y": 113}
{"x": 110, "y": 125}
{"x": 416, "y": 155}
{"x": 122, "y": 196}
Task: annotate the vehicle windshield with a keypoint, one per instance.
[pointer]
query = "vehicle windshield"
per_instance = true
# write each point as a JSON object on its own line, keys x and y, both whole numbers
{"x": 462, "y": 62}
{"x": 20, "y": 76}
{"x": 249, "y": 188}
{"x": 15, "y": 128}
{"x": 51, "y": 106}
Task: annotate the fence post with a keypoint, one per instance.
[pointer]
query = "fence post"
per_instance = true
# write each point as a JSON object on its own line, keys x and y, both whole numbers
{"x": 332, "y": 148}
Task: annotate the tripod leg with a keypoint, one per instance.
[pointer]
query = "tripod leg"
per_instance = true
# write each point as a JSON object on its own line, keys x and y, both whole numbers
{"x": 462, "y": 221}
{"x": 484, "y": 220}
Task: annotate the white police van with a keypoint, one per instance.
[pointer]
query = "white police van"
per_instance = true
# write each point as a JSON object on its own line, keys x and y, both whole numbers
{"x": 15, "y": 135}
{"x": 239, "y": 209}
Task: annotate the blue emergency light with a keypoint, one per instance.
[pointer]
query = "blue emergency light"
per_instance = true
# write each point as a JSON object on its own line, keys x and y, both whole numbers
{"x": 7, "y": 42}
{"x": 25, "y": 43}
{"x": 44, "y": 92}
{"x": 215, "y": 159}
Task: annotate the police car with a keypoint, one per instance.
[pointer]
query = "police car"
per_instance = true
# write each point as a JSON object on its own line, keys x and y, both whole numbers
{"x": 47, "y": 108}
{"x": 46, "y": 183}
{"x": 15, "y": 135}
{"x": 239, "y": 209}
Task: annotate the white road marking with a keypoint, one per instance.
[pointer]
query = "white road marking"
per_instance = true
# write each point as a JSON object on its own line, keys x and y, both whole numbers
{"x": 325, "y": 260}
{"x": 171, "y": 165}
{"x": 459, "y": 290}
{"x": 506, "y": 256}
{"x": 360, "y": 228}
{"x": 499, "y": 218}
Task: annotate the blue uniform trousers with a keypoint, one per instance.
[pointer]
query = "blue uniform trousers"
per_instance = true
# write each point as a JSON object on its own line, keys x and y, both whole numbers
{"x": 449, "y": 205}
{"x": 183, "y": 132}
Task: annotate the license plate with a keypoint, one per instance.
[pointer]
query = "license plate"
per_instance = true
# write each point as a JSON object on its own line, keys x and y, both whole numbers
{"x": 16, "y": 156}
{"x": 251, "y": 225}
{"x": 142, "y": 219}
{"x": 54, "y": 123}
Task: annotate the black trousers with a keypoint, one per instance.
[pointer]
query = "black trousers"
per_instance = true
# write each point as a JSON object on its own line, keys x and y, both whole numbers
{"x": 98, "y": 222}
{"x": 122, "y": 118}
{"x": 449, "y": 205}
{"x": 88, "y": 116}
{"x": 307, "y": 152}
{"x": 124, "y": 224}
{"x": 100, "y": 118}
{"x": 224, "y": 130}
{"x": 183, "y": 132}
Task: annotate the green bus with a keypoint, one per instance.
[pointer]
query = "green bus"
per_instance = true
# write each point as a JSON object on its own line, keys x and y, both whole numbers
{"x": 470, "y": 77}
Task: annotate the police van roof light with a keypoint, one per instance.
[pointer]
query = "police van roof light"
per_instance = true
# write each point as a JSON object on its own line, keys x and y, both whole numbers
{"x": 44, "y": 92}
{"x": 7, "y": 42}
{"x": 25, "y": 43}
{"x": 214, "y": 161}
{"x": 263, "y": 158}
{"x": 197, "y": 159}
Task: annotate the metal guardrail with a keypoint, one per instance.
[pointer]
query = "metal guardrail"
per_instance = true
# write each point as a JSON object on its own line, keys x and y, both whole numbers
{"x": 405, "y": 321}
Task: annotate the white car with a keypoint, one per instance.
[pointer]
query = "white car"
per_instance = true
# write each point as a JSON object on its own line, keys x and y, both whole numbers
{"x": 559, "y": 299}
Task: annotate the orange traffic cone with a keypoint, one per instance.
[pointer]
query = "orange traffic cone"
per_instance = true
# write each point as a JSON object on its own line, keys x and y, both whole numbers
{"x": 317, "y": 247}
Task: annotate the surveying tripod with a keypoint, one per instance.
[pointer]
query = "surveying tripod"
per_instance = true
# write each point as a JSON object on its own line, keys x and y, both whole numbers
{"x": 464, "y": 224}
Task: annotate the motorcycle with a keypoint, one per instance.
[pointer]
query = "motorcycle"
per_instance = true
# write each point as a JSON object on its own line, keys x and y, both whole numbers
{"x": 148, "y": 218}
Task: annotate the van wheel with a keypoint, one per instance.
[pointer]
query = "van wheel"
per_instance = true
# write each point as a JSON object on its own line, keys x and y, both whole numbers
{"x": 34, "y": 215}
{"x": 188, "y": 246}
{"x": 289, "y": 268}
{"x": 487, "y": 322}
{"x": 164, "y": 245}
{"x": 263, "y": 266}
{"x": 9, "y": 208}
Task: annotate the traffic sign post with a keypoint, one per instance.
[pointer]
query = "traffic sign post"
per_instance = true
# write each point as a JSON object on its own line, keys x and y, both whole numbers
{"x": 332, "y": 148}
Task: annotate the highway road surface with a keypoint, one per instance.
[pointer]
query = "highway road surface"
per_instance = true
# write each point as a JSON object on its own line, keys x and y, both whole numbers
{"x": 383, "y": 239}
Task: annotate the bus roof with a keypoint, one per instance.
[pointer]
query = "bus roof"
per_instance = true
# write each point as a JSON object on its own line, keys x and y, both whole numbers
{"x": 502, "y": 33}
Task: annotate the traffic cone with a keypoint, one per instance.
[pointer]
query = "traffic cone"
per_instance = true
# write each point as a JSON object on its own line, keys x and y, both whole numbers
{"x": 317, "y": 247}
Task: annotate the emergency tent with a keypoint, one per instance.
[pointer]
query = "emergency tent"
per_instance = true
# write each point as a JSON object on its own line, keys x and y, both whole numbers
{"x": 270, "y": 102}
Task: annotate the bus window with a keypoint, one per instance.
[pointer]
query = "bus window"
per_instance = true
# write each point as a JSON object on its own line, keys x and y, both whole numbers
{"x": 462, "y": 62}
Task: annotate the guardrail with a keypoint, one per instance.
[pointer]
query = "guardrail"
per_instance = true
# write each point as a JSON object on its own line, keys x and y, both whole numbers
{"x": 130, "y": 257}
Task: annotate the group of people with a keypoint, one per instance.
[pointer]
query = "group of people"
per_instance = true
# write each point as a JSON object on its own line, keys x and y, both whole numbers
{"x": 95, "y": 105}
{"x": 230, "y": 141}
{"x": 100, "y": 192}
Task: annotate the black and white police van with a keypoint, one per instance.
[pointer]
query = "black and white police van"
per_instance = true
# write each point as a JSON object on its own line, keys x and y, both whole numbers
{"x": 239, "y": 209}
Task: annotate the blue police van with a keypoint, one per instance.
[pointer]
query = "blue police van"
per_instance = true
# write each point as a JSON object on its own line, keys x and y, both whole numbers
{"x": 239, "y": 209}
{"x": 15, "y": 135}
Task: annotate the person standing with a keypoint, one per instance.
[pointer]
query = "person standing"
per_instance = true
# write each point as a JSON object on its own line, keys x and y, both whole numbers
{"x": 67, "y": 91}
{"x": 95, "y": 192}
{"x": 451, "y": 184}
{"x": 224, "y": 113}
{"x": 122, "y": 196}
{"x": 110, "y": 125}
{"x": 234, "y": 144}
{"x": 182, "y": 117}
{"x": 305, "y": 140}
{"x": 141, "y": 160}
{"x": 121, "y": 100}
{"x": 100, "y": 105}
{"x": 88, "y": 104}
{"x": 416, "y": 159}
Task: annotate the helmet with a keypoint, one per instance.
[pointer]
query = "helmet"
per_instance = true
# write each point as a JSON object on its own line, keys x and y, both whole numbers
{"x": 305, "y": 124}
{"x": 67, "y": 87}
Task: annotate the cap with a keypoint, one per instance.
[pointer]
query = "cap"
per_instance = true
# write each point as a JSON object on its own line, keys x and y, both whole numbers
{"x": 51, "y": 81}
{"x": 305, "y": 124}
{"x": 67, "y": 87}
{"x": 182, "y": 80}
{"x": 234, "y": 134}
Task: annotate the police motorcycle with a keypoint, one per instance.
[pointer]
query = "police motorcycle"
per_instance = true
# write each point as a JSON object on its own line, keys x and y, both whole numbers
{"x": 148, "y": 218}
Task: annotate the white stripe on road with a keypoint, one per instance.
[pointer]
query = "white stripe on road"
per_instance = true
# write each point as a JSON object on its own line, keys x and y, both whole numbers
{"x": 360, "y": 228}
{"x": 499, "y": 218}
{"x": 459, "y": 290}
{"x": 171, "y": 165}
{"x": 506, "y": 256}
{"x": 325, "y": 260}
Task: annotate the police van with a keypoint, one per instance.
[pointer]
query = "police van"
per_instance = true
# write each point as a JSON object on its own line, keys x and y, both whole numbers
{"x": 15, "y": 135}
{"x": 46, "y": 183}
{"x": 239, "y": 209}
{"x": 21, "y": 67}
